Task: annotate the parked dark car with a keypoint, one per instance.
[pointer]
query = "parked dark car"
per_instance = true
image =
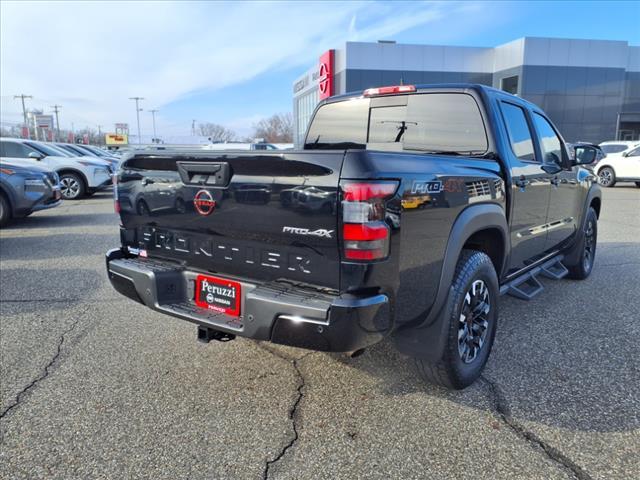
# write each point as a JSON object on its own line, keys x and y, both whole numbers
{"x": 26, "y": 188}
{"x": 494, "y": 201}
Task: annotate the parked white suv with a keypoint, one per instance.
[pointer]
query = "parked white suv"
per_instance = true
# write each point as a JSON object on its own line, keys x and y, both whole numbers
{"x": 623, "y": 166}
{"x": 78, "y": 176}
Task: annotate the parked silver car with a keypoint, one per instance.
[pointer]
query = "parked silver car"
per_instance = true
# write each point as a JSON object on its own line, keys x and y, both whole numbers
{"x": 26, "y": 188}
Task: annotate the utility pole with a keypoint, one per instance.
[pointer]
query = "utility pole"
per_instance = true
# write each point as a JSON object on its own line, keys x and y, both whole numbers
{"x": 56, "y": 109}
{"x": 138, "y": 110}
{"x": 193, "y": 128}
{"x": 99, "y": 134}
{"x": 22, "y": 96}
{"x": 153, "y": 115}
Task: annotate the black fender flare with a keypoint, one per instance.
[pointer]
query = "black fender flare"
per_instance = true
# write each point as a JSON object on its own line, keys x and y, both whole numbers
{"x": 425, "y": 339}
{"x": 595, "y": 192}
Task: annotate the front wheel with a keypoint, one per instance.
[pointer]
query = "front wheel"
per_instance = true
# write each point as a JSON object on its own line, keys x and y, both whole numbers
{"x": 5, "y": 211}
{"x": 584, "y": 251}
{"x": 607, "y": 177}
{"x": 71, "y": 186}
{"x": 471, "y": 314}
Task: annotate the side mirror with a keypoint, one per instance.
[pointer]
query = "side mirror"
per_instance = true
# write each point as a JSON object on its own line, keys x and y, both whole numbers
{"x": 36, "y": 156}
{"x": 626, "y": 154}
{"x": 585, "y": 154}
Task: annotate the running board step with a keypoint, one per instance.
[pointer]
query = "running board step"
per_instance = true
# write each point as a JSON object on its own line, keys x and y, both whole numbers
{"x": 525, "y": 287}
{"x": 555, "y": 271}
{"x": 528, "y": 286}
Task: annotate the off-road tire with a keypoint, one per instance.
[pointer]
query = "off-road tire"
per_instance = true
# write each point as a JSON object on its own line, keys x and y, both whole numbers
{"x": 586, "y": 246}
{"x": 451, "y": 371}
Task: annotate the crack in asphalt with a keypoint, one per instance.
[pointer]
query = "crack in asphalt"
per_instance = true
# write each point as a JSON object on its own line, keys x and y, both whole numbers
{"x": 293, "y": 411}
{"x": 504, "y": 412}
{"x": 45, "y": 372}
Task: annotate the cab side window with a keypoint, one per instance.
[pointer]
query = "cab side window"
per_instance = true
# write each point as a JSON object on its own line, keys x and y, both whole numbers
{"x": 518, "y": 130}
{"x": 634, "y": 153}
{"x": 550, "y": 144}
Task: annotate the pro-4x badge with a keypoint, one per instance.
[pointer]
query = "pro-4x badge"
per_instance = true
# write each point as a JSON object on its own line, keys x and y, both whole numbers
{"x": 320, "y": 232}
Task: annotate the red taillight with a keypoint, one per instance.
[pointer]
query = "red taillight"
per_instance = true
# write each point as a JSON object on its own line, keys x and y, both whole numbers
{"x": 363, "y": 191}
{"x": 116, "y": 206}
{"x": 365, "y": 235}
{"x": 365, "y": 231}
{"x": 370, "y": 92}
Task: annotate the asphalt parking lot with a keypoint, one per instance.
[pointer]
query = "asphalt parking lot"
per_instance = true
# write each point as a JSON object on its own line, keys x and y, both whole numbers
{"x": 93, "y": 385}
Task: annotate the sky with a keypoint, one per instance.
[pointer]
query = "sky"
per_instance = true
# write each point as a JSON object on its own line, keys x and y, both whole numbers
{"x": 234, "y": 63}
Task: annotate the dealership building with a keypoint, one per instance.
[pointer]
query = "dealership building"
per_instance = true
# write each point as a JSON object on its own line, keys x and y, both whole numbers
{"x": 589, "y": 88}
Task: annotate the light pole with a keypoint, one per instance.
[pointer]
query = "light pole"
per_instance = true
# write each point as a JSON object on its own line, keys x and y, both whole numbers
{"x": 138, "y": 110}
{"x": 56, "y": 109}
{"x": 22, "y": 96}
{"x": 153, "y": 116}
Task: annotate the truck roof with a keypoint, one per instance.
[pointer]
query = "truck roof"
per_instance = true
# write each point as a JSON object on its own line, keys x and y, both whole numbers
{"x": 422, "y": 87}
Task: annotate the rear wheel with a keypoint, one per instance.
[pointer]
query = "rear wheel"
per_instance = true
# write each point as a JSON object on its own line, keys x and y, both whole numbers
{"x": 472, "y": 314}
{"x": 71, "y": 186}
{"x": 585, "y": 248}
{"x": 607, "y": 177}
{"x": 143, "y": 208}
{"x": 638, "y": 184}
{"x": 5, "y": 211}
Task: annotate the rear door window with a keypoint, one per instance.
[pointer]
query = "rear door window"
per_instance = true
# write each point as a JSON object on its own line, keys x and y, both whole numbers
{"x": 613, "y": 148}
{"x": 519, "y": 133}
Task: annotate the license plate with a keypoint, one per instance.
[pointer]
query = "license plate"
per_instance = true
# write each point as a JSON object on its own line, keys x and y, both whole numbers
{"x": 218, "y": 294}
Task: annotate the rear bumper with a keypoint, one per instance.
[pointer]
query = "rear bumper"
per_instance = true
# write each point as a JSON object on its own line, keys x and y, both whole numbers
{"x": 279, "y": 312}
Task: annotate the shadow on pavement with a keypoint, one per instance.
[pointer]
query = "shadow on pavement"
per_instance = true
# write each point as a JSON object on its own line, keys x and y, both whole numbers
{"x": 566, "y": 359}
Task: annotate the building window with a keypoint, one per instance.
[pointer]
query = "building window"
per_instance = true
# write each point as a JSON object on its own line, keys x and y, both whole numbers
{"x": 510, "y": 84}
{"x": 305, "y": 105}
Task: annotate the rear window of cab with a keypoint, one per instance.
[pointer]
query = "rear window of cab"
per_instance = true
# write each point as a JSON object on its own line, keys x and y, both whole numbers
{"x": 427, "y": 122}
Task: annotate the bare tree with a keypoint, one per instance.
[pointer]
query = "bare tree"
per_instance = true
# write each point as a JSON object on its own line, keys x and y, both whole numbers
{"x": 276, "y": 129}
{"x": 217, "y": 133}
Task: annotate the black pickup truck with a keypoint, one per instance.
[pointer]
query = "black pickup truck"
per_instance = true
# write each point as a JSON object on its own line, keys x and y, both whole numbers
{"x": 406, "y": 215}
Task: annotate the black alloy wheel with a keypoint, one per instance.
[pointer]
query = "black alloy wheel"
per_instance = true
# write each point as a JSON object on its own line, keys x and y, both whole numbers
{"x": 474, "y": 321}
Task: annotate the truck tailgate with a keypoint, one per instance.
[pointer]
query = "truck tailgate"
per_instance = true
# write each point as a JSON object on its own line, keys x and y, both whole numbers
{"x": 263, "y": 216}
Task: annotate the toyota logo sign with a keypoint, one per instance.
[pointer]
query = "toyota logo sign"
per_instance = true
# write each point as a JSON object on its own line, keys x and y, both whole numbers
{"x": 204, "y": 203}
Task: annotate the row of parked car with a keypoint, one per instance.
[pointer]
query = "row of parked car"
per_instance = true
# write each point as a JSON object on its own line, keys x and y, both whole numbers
{"x": 39, "y": 175}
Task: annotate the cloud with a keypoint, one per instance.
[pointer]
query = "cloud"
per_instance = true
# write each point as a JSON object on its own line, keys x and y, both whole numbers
{"x": 92, "y": 56}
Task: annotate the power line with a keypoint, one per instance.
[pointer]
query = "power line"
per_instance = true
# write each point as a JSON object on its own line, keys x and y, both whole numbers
{"x": 22, "y": 96}
{"x": 138, "y": 110}
{"x": 56, "y": 109}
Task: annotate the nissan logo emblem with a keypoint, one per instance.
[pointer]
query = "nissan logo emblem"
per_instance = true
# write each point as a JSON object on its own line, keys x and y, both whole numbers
{"x": 204, "y": 203}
